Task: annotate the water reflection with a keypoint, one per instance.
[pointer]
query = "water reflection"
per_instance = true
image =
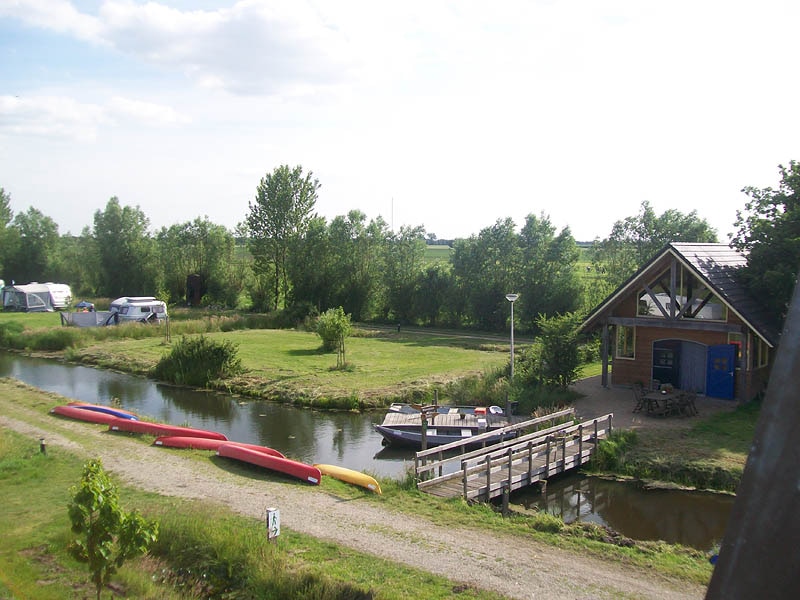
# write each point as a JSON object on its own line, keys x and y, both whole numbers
{"x": 695, "y": 519}
{"x": 346, "y": 439}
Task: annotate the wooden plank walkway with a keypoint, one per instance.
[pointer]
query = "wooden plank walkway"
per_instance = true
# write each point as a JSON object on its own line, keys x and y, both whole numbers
{"x": 485, "y": 473}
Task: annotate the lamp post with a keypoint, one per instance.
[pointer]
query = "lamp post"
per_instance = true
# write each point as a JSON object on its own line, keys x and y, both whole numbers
{"x": 512, "y": 298}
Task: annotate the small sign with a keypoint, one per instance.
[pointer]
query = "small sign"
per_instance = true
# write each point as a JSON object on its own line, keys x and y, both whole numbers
{"x": 273, "y": 523}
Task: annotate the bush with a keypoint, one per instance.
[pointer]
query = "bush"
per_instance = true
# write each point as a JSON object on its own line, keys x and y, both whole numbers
{"x": 199, "y": 361}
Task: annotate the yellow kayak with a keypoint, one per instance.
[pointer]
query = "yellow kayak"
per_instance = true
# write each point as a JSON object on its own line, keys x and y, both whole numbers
{"x": 350, "y": 476}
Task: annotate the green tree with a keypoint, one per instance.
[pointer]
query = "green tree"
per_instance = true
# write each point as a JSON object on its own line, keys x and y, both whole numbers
{"x": 359, "y": 250}
{"x": 769, "y": 231}
{"x": 199, "y": 248}
{"x": 334, "y": 326}
{"x": 283, "y": 204}
{"x": 404, "y": 264}
{"x": 560, "y": 356}
{"x": 636, "y": 239}
{"x": 486, "y": 268}
{"x": 34, "y": 248}
{"x": 6, "y": 215}
{"x": 548, "y": 280}
{"x": 311, "y": 267}
{"x": 434, "y": 295}
{"x": 128, "y": 265}
{"x": 107, "y": 535}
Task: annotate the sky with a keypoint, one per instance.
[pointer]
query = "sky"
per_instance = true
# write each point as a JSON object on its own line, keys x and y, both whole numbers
{"x": 445, "y": 115}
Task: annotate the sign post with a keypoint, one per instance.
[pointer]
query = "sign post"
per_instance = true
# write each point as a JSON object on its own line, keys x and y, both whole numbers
{"x": 273, "y": 523}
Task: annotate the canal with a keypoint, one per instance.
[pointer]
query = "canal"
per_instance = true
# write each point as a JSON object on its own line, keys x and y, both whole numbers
{"x": 348, "y": 439}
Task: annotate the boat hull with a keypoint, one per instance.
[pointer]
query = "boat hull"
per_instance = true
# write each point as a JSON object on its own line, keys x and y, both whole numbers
{"x": 413, "y": 438}
{"x": 350, "y": 476}
{"x": 198, "y": 443}
{"x": 115, "y": 412}
{"x": 159, "y": 429}
{"x": 88, "y": 416}
{"x": 293, "y": 468}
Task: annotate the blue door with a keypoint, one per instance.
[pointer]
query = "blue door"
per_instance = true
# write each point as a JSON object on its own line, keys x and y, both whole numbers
{"x": 719, "y": 371}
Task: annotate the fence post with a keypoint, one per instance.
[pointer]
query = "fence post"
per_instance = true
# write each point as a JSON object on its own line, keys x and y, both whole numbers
{"x": 488, "y": 477}
{"x": 530, "y": 460}
{"x": 441, "y": 457}
{"x": 564, "y": 453}
{"x": 464, "y": 475}
{"x": 510, "y": 460}
{"x": 547, "y": 459}
{"x": 416, "y": 468}
{"x": 580, "y": 444}
{"x": 506, "y": 486}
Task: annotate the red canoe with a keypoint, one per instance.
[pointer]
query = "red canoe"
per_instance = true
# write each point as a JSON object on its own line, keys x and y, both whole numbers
{"x": 159, "y": 429}
{"x": 110, "y": 410}
{"x": 89, "y": 416}
{"x": 196, "y": 443}
{"x": 274, "y": 463}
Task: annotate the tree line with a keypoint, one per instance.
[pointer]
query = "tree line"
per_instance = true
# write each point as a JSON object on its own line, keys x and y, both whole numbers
{"x": 285, "y": 257}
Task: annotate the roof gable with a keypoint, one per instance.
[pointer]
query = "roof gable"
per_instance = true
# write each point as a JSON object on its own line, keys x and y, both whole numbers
{"x": 716, "y": 266}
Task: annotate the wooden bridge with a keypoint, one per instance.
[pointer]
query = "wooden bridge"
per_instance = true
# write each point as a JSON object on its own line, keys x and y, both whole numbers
{"x": 488, "y": 472}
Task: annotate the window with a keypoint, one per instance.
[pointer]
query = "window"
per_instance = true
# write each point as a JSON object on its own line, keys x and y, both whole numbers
{"x": 736, "y": 340}
{"x": 626, "y": 342}
{"x": 693, "y": 300}
{"x": 761, "y": 357}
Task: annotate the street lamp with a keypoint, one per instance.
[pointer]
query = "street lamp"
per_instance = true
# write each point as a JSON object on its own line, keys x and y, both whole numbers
{"x": 512, "y": 298}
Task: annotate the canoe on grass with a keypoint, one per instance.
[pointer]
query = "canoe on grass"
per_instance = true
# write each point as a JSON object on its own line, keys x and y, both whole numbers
{"x": 89, "y": 416}
{"x": 196, "y": 443}
{"x": 350, "y": 476}
{"x": 109, "y": 410}
{"x": 159, "y": 429}
{"x": 274, "y": 463}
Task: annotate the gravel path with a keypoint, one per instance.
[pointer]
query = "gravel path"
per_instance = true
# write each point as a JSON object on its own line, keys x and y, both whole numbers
{"x": 511, "y": 565}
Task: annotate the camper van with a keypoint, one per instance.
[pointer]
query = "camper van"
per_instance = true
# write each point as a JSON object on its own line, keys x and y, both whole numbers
{"x": 144, "y": 309}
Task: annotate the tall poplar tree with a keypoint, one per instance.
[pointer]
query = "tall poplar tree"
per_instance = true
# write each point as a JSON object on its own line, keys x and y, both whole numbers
{"x": 279, "y": 214}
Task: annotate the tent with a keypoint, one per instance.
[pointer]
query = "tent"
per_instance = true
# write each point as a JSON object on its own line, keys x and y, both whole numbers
{"x": 33, "y": 297}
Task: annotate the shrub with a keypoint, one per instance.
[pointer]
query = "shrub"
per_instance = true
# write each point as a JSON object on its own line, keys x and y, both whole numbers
{"x": 198, "y": 361}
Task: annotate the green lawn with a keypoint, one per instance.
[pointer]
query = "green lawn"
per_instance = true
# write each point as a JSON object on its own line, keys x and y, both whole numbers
{"x": 291, "y": 360}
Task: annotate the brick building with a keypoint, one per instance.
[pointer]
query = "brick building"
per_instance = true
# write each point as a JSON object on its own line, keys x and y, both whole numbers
{"x": 683, "y": 319}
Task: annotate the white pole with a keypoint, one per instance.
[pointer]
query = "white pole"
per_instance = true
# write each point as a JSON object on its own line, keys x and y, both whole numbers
{"x": 512, "y": 298}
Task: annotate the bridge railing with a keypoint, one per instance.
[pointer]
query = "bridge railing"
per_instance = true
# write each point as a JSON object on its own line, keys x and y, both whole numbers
{"x": 534, "y": 457}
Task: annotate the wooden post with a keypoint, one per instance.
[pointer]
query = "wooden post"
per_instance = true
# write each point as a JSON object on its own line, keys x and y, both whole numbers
{"x": 510, "y": 460}
{"x": 488, "y": 477}
{"x": 564, "y": 453}
{"x": 596, "y": 439}
{"x": 547, "y": 459}
{"x": 506, "y": 486}
{"x": 441, "y": 457}
{"x": 530, "y": 461}
{"x": 580, "y": 444}
{"x": 464, "y": 475}
{"x": 416, "y": 467}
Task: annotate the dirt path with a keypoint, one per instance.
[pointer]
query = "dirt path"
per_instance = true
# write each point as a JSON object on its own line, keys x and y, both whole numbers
{"x": 510, "y": 565}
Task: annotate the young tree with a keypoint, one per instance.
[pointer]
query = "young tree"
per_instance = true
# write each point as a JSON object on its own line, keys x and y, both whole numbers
{"x": 559, "y": 359}
{"x": 769, "y": 231}
{"x": 334, "y": 326}
{"x": 281, "y": 212}
{"x": 107, "y": 535}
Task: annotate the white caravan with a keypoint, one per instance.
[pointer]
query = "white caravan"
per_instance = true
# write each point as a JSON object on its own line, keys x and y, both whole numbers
{"x": 144, "y": 309}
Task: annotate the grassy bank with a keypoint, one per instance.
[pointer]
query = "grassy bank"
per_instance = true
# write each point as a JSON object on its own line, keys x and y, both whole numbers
{"x": 39, "y": 541}
{"x": 285, "y": 365}
{"x": 203, "y": 551}
{"x": 710, "y": 455}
